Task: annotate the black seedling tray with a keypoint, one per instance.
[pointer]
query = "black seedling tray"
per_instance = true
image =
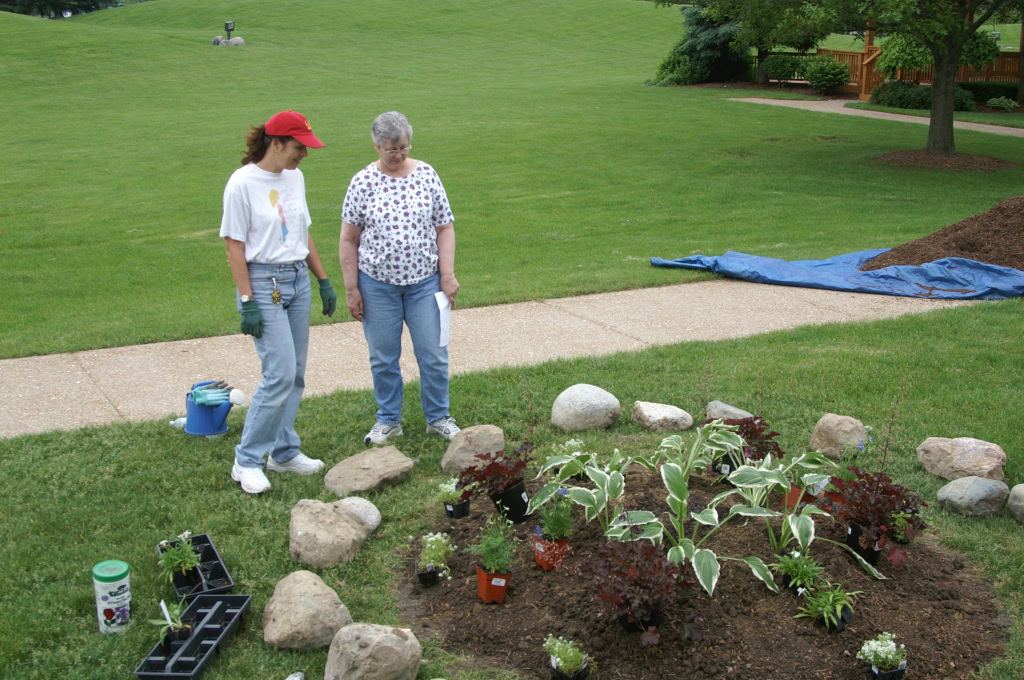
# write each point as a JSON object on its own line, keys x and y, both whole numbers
{"x": 215, "y": 618}
{"x": 212, "y": 577}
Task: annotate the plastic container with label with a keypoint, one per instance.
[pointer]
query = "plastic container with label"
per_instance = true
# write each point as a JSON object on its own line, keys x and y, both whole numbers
{"x": 111, "y": 581}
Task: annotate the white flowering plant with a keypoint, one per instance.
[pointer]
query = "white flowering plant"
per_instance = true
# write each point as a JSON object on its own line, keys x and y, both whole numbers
{"x": 452, "y": 492}
{"x": 437, "y": 549}
{"x": 566, "y": 656}
{"x": 882, "y": 652}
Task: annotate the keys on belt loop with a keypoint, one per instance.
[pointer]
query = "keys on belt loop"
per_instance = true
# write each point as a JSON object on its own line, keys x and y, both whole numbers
{"x": 275, "y": 295}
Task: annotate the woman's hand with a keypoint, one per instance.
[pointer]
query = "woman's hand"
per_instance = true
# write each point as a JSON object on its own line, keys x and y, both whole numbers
{"x": 354, "y": 299}
{"x": 450, "y": 286}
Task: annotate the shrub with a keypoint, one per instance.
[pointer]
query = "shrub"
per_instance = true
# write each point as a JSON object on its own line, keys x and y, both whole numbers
{"x": 782, "y": 67}
{"x": 983, "y": 91}
{"x": 962, "y": 100}
{"x": 704, "y": 53}
{"x": 903, "y": 95}
{"x": 825, "y": 74}
{"x": 1003, "y": 103}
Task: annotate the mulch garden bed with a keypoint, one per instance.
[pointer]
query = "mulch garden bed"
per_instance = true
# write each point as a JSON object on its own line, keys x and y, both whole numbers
{"x": 936, "y": 605}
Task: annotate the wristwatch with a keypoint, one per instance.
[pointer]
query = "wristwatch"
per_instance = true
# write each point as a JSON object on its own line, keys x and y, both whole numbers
{"x": 246, "y": 298}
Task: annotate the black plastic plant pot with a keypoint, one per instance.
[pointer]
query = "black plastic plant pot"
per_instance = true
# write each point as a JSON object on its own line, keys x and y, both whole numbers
{"x": 895, "y": 674}
{"x": 581, "y": 674}
{"x": 844, "y": 620}
{"x": 795, "y": 589}
{"x": 513, "y": 502}
{"x": 631, "y": 624}
{"x": 211, "y": 576}
{"x": 457, "y": 510}
{"x": 870, "y": 555}
{"x": 427, "y": 578}
{"x": 215, "y": 618}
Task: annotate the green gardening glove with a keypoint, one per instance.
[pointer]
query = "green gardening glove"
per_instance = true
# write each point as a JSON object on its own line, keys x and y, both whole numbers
{"x": 209, "y": 397}
{"x": 252, "y": 320}
{"x": 328, "y": 296}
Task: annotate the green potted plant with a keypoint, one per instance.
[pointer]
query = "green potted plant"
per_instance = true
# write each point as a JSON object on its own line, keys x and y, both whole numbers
{"x": 551, "y": 537}
{"x": 888, "y": 662}
{"x": 454, "y": 497}
{"x": 568, "y": 662}
{"x": 496, "y": 549}
{"x": 179, "y": 560}
{"x": 432, "y": 563}
{"x": 800, "y": 573}
{"x": 832, "y": 607}
{"x": 172, "y": 626}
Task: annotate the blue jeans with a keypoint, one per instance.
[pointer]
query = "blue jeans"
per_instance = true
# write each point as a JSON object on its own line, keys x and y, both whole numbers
{"x": 385, "y": 307}
{"x": 270, "y": 422}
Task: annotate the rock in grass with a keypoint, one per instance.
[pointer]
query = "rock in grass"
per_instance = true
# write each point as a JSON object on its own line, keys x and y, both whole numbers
{"x": 470, "y": 442}
{"x": 661, "y": 417}
{"x": 365, "y": 651}
{"x": 1015, "y": 504}
{"x": 368, "y": 471}
{"x": 834, "y": 433}
{"x": 974, "y": 496}
{"x": 719, "y": 409}
{"x": 961, "y": 457}
{"x": 585, "y": 407}
{"x": 303, "y": 613}
{"x": 325, "y": 534}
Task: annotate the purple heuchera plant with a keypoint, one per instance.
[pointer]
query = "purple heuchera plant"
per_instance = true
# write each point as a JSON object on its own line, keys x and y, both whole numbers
{"x": 497, "y": 471}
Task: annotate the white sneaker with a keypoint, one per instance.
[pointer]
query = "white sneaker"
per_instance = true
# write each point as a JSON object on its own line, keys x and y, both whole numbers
{"x": 380, "y": 433}
{"x": 445, "y": 427}
{"x": 252, "y": 479}
{"x": 300, "y": 465}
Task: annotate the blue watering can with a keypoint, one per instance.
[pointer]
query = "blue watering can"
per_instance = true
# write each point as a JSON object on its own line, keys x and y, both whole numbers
{"x": 205, "y": 421}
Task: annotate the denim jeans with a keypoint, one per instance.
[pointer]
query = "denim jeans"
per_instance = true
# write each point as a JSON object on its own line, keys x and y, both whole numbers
{"x": 385, "y": 307}
{"x": 270, "y": 422}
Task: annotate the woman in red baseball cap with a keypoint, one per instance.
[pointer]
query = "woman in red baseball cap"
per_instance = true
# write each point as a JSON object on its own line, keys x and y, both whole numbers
{"x": 270, "y": 251}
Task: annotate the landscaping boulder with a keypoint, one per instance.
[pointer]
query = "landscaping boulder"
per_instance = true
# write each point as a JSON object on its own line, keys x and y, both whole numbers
{"x": 585, "y": 407}
{"x": 303, "y": 613}
{"x": 974, "y": 496}
{"x": 718, "y": 409}
{"x": 324, "y": 534}
{"x": 1015, "y": 504}
{"x": 834, "y": 433}
{"x": 365, "y": 651}
{"x": 364, "y": 510}
{"x": 368, "y": 471}
{"x": 661, "y": 417}
{"x": 237, "y": 40}
{"x": 962, "y": 457}
{"x": 470, "y": 442}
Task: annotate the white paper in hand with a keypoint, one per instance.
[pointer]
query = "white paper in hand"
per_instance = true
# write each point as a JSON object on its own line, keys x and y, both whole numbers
{"x": 445, "y": 308}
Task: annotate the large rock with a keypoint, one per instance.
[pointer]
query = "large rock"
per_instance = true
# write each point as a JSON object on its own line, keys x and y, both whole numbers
{"x": 962, "y": 457}
{"x": 833, "y": 433}
{"x": 469, "y": 442}
{"x": 303, "y": 613}
{"x": 661, "y": 417}
{"x": 368, "y": 471}
{"x": 364, "y": 510}
{"x": 974, "y": 496}
{"x": 364, "y": 651}
{"x": 718, "y": 409}
{"x": 324, "y": 534}
{"x": 585, "y": 407}
{"x": 1015, "y": 505}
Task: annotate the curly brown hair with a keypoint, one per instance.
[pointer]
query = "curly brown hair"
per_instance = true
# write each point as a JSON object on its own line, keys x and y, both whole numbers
{"x": 257, "y": 142}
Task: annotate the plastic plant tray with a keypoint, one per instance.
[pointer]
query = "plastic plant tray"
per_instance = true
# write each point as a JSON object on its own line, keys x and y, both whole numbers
{"x": 215, "y": 618}
{"x": 213, "y": 575}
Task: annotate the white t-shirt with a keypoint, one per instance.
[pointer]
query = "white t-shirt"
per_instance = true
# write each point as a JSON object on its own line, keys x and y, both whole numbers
{"x": 267, "y": 211}
{"x": 399, "y": 217}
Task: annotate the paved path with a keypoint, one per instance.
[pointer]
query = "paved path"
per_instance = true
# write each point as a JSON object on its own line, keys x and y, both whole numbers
{"x": 839, "y": 106}
{"x": 143, "y": 382}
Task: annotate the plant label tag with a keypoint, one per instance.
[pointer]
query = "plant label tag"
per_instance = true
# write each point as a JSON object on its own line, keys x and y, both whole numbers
{"x": 540, "y": 548}
{"x": 725, "y": 468}
{"x": 849, "y": 531}
{"x": 449, "y": 508}
{"x": 526, "y": 499}
{"x": 498, "y": 582}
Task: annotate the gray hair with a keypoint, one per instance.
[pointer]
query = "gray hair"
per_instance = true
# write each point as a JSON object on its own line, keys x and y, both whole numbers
{"x": 390, "y": 127}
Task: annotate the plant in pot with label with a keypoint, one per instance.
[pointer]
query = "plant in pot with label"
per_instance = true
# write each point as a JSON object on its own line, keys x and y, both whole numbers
{"x": 758, "y": 442}
{"x": 832, "y": 607}
{"x": 551, "y": 538}
{"x": 568, "y": 662}
{"x": 800, "y": 573}
{"x": 869, "y": 509}
{"x": 496, "y": 549}
{"x": 502, "y": 475}
{"x": 172, "y": 627}
{"x": 432, "y": 563}
{"x": 888, "y": 662}
{"x": 178, "y": 559}
{"x": 455, "y": 496}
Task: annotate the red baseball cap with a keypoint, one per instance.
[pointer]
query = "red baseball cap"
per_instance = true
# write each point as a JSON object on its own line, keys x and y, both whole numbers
{"x": 293, "y": 124}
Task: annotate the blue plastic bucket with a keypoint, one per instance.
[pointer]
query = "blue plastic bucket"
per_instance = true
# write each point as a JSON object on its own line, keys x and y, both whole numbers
{"x": 205, "y": 421}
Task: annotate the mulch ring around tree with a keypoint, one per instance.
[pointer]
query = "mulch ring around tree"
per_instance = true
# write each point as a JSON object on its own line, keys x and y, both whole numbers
{"x": 936, "y": 604}
{"x": 995, "y": 236}
{"x": 960, "y": 162}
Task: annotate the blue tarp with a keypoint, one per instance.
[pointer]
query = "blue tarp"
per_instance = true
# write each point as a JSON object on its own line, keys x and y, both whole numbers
{"x": 948, "y": 278}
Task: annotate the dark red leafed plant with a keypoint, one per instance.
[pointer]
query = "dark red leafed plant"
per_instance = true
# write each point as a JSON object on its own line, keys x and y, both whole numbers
{"x": 884, "y": 510}
{"x": 636, "y": 583}
{"x": 757, "y": 435}
{"x": 497, "y": 471}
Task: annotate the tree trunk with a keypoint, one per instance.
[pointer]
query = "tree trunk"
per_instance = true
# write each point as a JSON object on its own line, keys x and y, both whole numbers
{"x": 762, "y": 77}
{"x": 940, "y": 126}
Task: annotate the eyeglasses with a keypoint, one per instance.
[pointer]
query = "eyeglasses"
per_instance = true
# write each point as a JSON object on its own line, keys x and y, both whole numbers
{"x": 395, "y": 152}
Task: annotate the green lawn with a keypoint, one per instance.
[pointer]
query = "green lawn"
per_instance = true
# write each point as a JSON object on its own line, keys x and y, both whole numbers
{"x": 565, "y": 173}
{"x": 73, "y": 499}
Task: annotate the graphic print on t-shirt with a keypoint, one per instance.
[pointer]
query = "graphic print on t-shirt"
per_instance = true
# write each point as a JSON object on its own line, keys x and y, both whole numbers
{"x": 280, "y": 211}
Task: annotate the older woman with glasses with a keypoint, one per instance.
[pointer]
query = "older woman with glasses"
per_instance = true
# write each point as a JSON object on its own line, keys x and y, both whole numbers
{"x": 397, "y": 252}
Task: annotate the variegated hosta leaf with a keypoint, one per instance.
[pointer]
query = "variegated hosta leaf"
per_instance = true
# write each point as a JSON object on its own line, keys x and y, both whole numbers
{"x": 762, "y": 572}
{"x": 587, "y": 499}
{"x": 553, "y": 461}
{"x": 675, "y": 481}
{"x": 542, "y": 496}
{"x": 677, "y": 506}
{"x": 722, "y": 496}
{"x": 812, "y": 478}
{"x": 673, "y": 442}
{"x": 748, "y": 476}
{"x": 777, "y": 477}
{"x": 633, "y": 517}
{"x": 676, "y": 555}
{"x": 654, "y": 531}
{"x": 748, "y": 511}
{"x": 599, "y": 477}
{"x": 707, "y": 569}
{"x": 619, "y": 533}
{"x": 688, "y": 548}
{"x": 707, "y": 516}
{"x": 616, "y": 485}
{"x": 802, "y": 527}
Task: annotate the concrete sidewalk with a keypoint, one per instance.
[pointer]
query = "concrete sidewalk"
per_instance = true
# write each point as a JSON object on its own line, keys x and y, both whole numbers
{"x": 839, "y": 106}
{"x": 143, "y": 382}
